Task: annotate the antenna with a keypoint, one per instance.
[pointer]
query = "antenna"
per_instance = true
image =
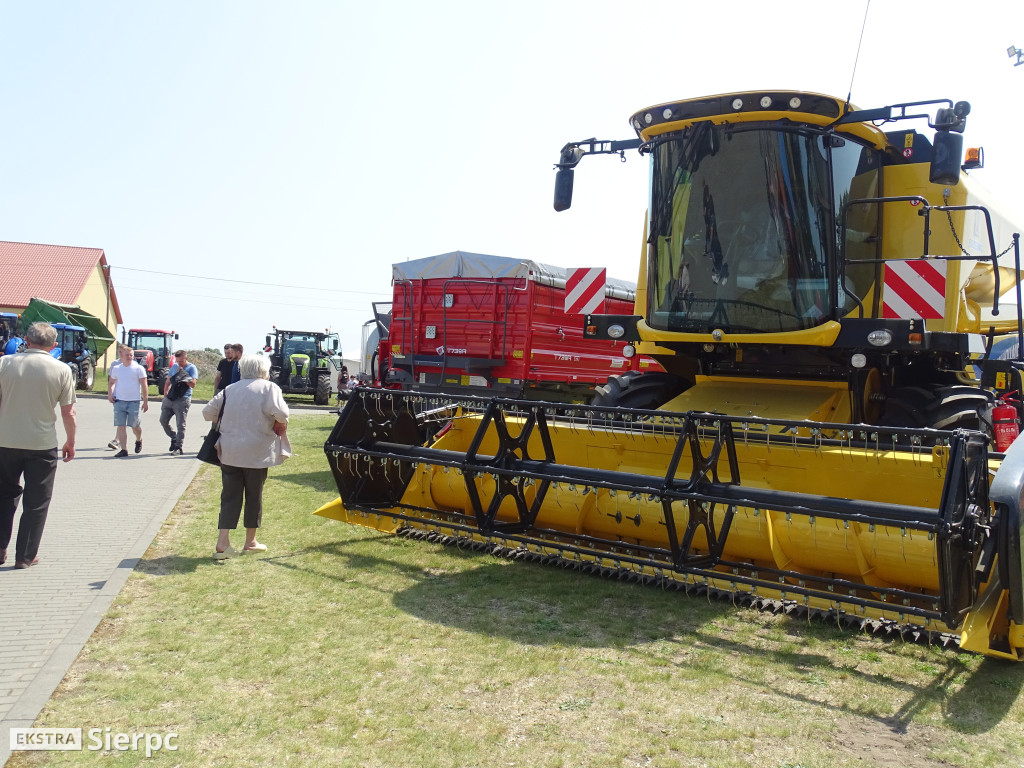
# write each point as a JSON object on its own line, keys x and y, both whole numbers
{"x": 856, "y": 59}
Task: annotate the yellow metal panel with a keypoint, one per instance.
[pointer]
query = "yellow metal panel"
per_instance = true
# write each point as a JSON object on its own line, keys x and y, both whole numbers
{"x": 823, "y": 335}
{"x": 791, "y": 400}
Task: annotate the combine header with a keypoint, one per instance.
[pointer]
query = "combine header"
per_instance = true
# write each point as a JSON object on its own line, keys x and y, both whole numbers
{"x": 837, "y": 365}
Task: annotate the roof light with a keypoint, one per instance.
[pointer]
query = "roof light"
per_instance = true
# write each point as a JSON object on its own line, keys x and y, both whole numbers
{"x": 737, "y": 103}
{"x": 975, "y": 158}
{"x": 795, "y": 102}
{"x": 766, "y": 101}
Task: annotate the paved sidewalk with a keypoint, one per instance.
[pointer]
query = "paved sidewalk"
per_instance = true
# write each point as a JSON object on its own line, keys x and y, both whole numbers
{"x": 104, "y": 515}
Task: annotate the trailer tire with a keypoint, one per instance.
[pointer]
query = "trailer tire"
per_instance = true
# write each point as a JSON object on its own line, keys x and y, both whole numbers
{"x": 322, "y": 396}
{"x": 638, "y": 390}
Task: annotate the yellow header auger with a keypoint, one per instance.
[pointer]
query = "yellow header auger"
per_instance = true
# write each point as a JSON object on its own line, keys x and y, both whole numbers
{"x": 822, "y": 441}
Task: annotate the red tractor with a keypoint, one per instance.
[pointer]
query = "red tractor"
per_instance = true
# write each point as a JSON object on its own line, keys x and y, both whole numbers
{"x": 152, "y": 351}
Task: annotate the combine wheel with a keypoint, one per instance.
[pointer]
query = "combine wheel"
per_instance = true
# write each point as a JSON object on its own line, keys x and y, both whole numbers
{"x": 961, "y": 407}
{"x": 638, "y": 390}
{"x": 322, "y": 396}
{"x": 956, "y": 407}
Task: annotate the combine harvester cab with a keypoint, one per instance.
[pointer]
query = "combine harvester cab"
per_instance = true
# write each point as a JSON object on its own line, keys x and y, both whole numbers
{"x": 840, "y": 443}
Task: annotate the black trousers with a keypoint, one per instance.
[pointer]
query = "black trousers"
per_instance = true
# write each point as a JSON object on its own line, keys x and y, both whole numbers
{"x": 240, "y": 483}
{"x": 39, "y": 469}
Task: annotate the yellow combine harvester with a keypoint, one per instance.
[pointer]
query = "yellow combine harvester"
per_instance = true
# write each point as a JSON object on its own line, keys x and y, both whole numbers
{"x": 824, "y": 297}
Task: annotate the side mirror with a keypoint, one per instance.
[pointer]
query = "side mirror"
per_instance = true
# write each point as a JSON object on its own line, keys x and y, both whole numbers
{"x": 563, "y": 188}
{"x": 947, "y": 150}
{"x": 334, "y": 344}
{"x": 268, "y": 345}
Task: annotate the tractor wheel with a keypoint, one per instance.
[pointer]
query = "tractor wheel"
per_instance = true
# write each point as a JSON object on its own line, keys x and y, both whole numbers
{"x": 638, "y": 390}
{"x": 87, "y": 378}
{"x": 161, "y": 380}
{"x": 75, "y": 375}
{"x": 322, "y": 396}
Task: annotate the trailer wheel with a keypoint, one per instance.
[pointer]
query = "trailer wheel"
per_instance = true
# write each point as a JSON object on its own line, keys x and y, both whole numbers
{"x": 322, "y": 396}
{"x": 638, "y": 390}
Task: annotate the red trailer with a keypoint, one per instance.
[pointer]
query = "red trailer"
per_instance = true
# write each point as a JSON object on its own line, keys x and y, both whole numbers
{"x": 483, "y": 324}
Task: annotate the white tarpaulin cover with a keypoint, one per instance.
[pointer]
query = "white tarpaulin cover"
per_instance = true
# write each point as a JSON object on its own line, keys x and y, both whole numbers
{"x": 482, "y": 266}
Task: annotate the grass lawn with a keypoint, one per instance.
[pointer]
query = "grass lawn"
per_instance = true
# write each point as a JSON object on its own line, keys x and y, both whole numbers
{"x": 344, "y": 647}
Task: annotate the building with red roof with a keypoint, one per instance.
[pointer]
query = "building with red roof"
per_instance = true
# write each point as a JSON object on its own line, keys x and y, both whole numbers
{"x": 60, "y": 274}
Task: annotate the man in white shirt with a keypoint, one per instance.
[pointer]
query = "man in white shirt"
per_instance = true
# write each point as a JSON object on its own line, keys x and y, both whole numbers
{"x": 128, "y": 391}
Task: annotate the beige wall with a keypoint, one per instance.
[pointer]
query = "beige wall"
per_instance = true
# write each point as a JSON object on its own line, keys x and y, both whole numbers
{"x": 94, "y": 299}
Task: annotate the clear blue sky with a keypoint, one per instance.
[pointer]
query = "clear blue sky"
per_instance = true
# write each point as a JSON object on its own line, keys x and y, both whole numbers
{"x": 305, "y": 146}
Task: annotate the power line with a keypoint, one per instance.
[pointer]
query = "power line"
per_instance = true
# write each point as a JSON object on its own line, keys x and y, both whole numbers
{"x": 248, "y": 300}
{"x": 248, "y": 282}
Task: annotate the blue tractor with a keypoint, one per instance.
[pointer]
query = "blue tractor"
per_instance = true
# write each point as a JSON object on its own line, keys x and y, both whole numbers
{"x": 73, "y": 348}
{"x": 9, "y": 339}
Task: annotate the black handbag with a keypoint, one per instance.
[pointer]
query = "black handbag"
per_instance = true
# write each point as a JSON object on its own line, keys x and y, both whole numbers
{"x": 208, "y": 450}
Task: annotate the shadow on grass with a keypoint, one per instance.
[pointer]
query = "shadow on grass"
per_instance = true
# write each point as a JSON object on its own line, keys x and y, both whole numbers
{"x": 320, "y": 481}
{"x": 541, "y": 605}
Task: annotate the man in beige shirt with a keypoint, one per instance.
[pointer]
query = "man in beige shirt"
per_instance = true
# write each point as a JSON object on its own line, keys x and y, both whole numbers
{"x": 32, "y": 384}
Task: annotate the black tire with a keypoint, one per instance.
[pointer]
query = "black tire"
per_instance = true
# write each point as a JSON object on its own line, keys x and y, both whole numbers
{"x": 936, "y": 407}
{"x": 322, "y": 396}
{"x": 161, "y": 380}
{"x": 87, "y": 377}
{"x": 638, "y": 390}
{"x": 75, "y": 375}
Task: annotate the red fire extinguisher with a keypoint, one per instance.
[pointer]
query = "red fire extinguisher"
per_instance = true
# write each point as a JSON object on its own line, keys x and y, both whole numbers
{"x": 1005, "y": 424}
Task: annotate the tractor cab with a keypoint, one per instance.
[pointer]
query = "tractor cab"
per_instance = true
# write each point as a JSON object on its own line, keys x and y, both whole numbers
{"x": 9, "y": 341}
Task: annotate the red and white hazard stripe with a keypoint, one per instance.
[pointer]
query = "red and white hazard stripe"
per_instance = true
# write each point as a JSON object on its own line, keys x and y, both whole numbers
{"x": 915, "y": 289}
{"x": 584, "y": 290}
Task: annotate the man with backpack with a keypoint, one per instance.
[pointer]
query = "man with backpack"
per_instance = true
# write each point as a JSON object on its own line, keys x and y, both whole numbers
{"x": 177, "y": 398}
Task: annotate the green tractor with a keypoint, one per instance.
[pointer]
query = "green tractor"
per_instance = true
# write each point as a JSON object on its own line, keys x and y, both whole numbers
{"x": 305, "y": 362}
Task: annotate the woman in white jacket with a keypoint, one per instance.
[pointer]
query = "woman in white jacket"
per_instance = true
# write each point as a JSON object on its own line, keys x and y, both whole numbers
{"x": 253, "y": 437}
